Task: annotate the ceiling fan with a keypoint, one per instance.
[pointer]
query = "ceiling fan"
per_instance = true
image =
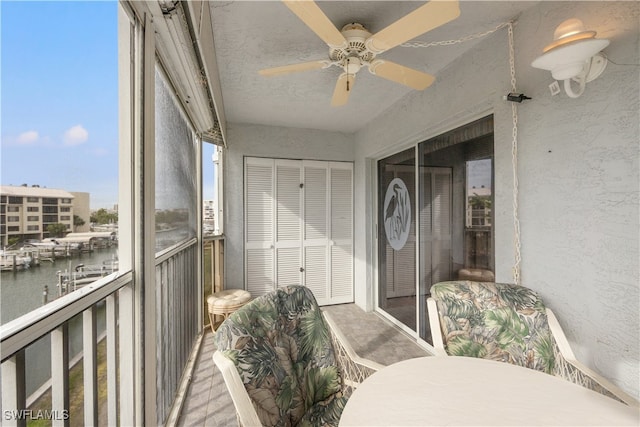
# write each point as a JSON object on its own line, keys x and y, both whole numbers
{"x": 354, "y": 47}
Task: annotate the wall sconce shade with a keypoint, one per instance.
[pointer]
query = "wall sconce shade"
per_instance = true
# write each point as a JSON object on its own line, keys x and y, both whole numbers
{"x": 569, "y": 31}
{"x": 567, "y": 61}
{"x": 572, "y": 55}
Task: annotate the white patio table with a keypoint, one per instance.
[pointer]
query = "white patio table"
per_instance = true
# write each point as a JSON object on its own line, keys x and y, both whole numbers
{"x": 431, "y": 391}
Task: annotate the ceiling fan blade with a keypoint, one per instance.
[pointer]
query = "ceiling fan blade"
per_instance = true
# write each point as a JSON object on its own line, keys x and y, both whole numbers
{"x": 423, "y": 19}
{"x": 309, "y": 13}
{"x": 344, "y": 86}
{"x": 294, "y": 68}
{"x": 400, "y": 74}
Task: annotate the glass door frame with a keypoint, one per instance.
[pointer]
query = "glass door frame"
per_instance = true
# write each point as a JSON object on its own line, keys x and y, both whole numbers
{"x": 379, "y": 229}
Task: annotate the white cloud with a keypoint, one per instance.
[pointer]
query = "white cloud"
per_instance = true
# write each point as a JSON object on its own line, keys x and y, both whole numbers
{"x": 28, "y": 137}
{"x": 75, "y": 135}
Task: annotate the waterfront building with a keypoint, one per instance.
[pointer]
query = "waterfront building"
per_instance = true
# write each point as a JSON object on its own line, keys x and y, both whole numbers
{"x": 26, "y": 212}
{"x": 81, "y": 209}
{"x": 208, "y": 210}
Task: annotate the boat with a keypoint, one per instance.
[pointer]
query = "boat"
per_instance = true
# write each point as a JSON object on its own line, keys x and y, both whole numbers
{"x": 14, "y": 260}
{"x": 51, "y": 243}
{"x": 52, "y": 246}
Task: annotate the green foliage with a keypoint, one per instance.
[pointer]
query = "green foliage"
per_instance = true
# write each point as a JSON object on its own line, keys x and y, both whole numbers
{"x": 56, "y": 230}
{"x": 463, "y": 346}
{"x": 511, "y": 330}
{"x": 480, "y": 202}
{"x": 517, "y": 296}
{"x": 314, "y": 333}
{"x": 101, "y": 216}
{"x": 13, "y": 240}
{"x": 459, "y": 308}
{"x": 544, "y": 347}
{"x": 322, "y": 383}
{"x": 77, "y": 221}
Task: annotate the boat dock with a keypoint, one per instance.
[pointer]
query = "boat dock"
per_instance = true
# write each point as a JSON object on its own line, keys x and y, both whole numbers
{"x": 32, "y": 253}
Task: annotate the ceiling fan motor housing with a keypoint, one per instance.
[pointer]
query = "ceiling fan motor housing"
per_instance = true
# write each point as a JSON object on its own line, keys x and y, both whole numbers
{"x": 355, "y": 55}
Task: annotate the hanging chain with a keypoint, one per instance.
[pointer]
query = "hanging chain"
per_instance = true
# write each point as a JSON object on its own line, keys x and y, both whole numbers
{"x": 514, "y": 114}
{"x": 451, "y": 42}
{"x": 514, "y": 160}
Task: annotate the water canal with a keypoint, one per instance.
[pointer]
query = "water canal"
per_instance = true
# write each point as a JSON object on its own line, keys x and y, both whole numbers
{"x": 24, "y": 291}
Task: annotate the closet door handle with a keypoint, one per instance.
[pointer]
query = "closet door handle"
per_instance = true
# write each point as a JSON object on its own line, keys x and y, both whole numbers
{"x": 301, "y": 270}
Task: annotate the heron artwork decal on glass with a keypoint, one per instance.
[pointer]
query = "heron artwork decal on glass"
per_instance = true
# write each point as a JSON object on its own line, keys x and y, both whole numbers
{"x": 397, "y": 214}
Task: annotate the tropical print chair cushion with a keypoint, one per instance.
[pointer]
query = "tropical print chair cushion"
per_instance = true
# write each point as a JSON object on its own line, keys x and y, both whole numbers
{"x": 282, "y": 350}
{"x": 495, "y": 321}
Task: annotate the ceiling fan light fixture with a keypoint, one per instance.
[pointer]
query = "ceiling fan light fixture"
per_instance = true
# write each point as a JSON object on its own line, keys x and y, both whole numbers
{"x": 352, "y": 64}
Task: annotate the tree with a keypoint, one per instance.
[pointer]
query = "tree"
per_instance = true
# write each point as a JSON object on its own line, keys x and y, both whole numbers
{"x": 77, "y": 222}
{"x": 101, "y": 216}
{"x": 56, "y": 230}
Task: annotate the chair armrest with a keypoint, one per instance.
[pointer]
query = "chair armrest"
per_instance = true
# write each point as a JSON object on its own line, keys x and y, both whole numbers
{"x": 354, "y": 368}
{"x": 569, "y": 368}
{"x": 247, "y": 415}
{"x": 436, "y": 330}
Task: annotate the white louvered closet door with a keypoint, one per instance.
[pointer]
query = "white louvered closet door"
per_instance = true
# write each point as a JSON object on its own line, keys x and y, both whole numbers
{"x": 316, "y": 229}
{"x": 299, "y": 227}
{"x": 288, "y": 223}
{"x": 259, "y": 225}
{"x": 341, "y": 232}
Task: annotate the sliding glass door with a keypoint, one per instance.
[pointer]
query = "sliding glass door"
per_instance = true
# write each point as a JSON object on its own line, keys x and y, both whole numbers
{"x": 434, "y": 220}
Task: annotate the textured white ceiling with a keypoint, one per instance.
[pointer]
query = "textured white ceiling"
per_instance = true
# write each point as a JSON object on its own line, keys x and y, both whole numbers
{"x": 253, "y": 35}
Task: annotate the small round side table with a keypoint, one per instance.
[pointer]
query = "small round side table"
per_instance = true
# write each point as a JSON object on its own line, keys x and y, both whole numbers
{"x": 224, "y": 303}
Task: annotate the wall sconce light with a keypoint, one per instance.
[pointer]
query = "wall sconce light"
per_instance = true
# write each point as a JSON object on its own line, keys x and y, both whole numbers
{"x": 574, "y": 55}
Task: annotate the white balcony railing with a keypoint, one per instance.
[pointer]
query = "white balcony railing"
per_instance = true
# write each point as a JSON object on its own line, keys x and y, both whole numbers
{"x": 177, "y": 320}
{"x": 53, "y": 320}
{"x": 178, "y": 327}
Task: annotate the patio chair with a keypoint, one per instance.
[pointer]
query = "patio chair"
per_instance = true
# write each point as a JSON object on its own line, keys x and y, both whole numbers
{"x": 285, "y": 364}
{"x": 507, "y": 323}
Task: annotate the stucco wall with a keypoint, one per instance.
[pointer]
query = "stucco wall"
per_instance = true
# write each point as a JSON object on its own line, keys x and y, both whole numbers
{"x": 266, "y": 141}
{"x": 578, "y": 176}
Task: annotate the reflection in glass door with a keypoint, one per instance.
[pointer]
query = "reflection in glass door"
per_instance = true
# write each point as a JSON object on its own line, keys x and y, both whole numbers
{"x": 455, "y": 198}
{"x": 397, "y": 237}
{"x": 435, "y": 232}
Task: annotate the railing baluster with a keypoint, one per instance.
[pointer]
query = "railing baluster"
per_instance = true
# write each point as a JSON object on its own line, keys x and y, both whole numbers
{"x": 60, "y": 375}
{"x": 112, "y": 358}
{"x": 13, "y": 391}
{"x": 127, "y": 355}
{"x": 218, "y": 265}
{"x": 90, "y": 366}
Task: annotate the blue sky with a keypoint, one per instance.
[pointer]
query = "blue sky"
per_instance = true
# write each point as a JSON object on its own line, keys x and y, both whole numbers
{"x": 59, "y": 97}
